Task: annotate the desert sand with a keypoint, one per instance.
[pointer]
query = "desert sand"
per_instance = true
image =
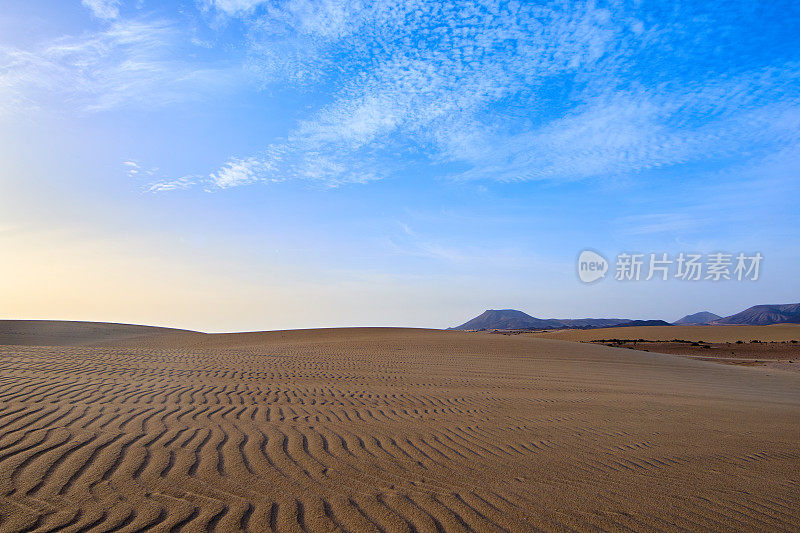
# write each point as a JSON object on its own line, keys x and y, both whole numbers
{"x": 777, "y": 332}
{"x": 776, "y": 347}
{"x": 388, "y": 430}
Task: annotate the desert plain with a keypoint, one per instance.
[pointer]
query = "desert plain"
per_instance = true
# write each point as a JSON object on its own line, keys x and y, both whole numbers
{"x": 124, "y": 428}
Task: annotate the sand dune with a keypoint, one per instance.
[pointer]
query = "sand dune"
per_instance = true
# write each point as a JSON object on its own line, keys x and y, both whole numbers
{"x": 72, "y": 333}
{"x": 390, "y": 430}
{"x": 717, "y": 333}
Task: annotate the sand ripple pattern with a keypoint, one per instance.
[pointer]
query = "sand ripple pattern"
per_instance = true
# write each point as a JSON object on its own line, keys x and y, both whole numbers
{"x": 409, "y": 433}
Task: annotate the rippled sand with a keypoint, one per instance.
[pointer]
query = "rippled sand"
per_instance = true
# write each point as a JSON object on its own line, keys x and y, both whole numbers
{"x": 389, "y": 430}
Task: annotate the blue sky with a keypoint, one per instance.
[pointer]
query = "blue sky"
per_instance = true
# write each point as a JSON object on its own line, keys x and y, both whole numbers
{"x": 245, "y": 164}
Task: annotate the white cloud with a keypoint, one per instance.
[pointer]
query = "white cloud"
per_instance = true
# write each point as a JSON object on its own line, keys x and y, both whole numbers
{"x": 233, "y": 7}
{"x": 184, "y": 182}
{"x": 103, "y": 9}
{"x": 129, "y": 63}
{"x": 504, "y": 91}
{"x": 134, "y": 170}
{"x": 238, "y": 172}
{"x": 282, "y": 162}
{"x": 480, "y": 89}
{"x": 407, "y": 91}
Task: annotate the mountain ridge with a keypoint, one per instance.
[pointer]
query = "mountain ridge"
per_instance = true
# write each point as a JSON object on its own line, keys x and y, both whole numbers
{"x": 757, "y": 315}
{"x": 765, "y": 314}
{"x": 703, "y": 317}
{"x": 515, "y": 319}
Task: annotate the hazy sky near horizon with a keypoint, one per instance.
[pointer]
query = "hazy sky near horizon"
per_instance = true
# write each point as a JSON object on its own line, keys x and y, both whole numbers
{"x": 245, "y": 164}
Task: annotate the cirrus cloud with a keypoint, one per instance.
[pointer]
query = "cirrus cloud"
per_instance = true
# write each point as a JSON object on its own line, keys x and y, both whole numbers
{"x": 503, "y": 91}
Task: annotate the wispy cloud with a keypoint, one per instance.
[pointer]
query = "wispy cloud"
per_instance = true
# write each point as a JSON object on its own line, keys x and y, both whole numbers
{"x": 475, "y": 90}
{"x": 504, "y": 92}
{"x": 129, "y": 63}
{"x": 151, "y": 180}
{"x": 734, "y": 204}
{"x": 626, "y": 133}
{"x": 288, "y": 161}
{"x": 454, "y": 255}
{"x": 134, "y": 170}
{"x": 660, "y": 223}
{"x": 233, "y": 7}
{"x": 103, "y": 9}
{"x": 174, "y": 184}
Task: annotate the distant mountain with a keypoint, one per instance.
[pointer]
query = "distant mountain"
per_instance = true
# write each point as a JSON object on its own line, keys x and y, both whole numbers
{"x": 762, "y": 315}
{"x": 631, "y": 323}
{"x": 588, "y": 323}
{"x": 504, "y": 319}
{"x": 703, "y": 317}
{"x": 758, "y": 315}
{"x": 513, "y": 319}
